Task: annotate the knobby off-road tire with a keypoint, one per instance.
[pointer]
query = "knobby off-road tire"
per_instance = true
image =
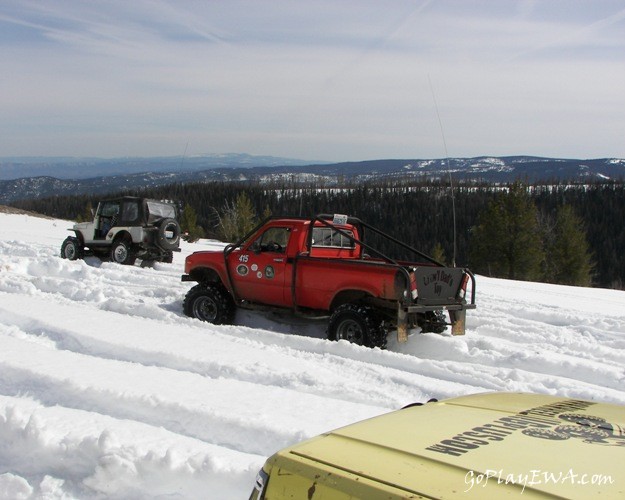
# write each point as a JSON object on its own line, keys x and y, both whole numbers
{"x": 432, "y": 322}
{"x": 210, "y": 303}
{"x": 358, "y": 324}
{"x": 71, "y": 249}
{"x": 122, "y": 253}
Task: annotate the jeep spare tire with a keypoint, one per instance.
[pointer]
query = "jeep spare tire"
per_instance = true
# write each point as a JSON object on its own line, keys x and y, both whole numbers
{"x": 168, "y": 236}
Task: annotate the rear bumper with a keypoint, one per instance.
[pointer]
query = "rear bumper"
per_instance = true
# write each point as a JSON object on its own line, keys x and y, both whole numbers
{"x": 457, "y": 316}
{"x": 434, "y": 307}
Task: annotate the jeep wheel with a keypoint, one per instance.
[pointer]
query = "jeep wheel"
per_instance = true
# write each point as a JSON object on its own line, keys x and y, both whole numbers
{"x": 168, "y": 236}
{"x": 71, "y": 249}
{"x": 358, "y": 324}
{"x": 122, "y": 253}
{"x": 210, "y": 303}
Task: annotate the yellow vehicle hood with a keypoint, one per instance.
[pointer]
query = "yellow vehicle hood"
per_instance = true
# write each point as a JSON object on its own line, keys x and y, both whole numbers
{"x": 484, "y": 446}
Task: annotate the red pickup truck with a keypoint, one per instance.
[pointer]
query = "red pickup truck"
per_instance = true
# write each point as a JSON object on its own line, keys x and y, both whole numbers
{"x": 323, "y": 266}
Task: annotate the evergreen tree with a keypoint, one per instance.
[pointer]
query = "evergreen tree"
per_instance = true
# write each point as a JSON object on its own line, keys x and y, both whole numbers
{"x": 417, "y": 212}
{"x": 568, "y": 259}
{"x": 507, "y": 241}
{"x": 266, "y": 213}
{"x": 87, "y": 214}
{"x": 191, "y": 231}
{"x": 237, "y": 219}
{"x": 438, "y": 253}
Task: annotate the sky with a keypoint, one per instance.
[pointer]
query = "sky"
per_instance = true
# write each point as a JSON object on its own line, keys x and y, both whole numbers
{"x": 323, "y": 80}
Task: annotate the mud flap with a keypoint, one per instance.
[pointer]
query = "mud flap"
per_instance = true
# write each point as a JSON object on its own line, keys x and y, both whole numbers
{"x": 458, "y": 320}
{"x": 402, "y": 325}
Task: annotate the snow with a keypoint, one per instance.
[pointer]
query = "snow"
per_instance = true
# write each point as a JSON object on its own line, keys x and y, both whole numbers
{"x": 108, "y": 391}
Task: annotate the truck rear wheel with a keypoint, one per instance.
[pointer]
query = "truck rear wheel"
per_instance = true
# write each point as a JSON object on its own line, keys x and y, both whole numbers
{"x": 432, "y": 321}
{"x": 357, "y": 324}
{"x": 210, "y": 303}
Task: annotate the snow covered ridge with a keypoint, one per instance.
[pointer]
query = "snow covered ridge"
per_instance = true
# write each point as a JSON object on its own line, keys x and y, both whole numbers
{"x": 238, "y": 168}
{"x": 108, "y": 391}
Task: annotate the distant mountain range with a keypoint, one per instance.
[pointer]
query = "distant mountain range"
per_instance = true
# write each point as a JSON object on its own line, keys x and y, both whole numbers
{"x": 85, "y": 168}
{"x": 26, "y": 178}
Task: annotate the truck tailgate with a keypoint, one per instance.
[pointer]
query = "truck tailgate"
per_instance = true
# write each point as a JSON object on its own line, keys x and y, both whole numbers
{"x": 438, "y": 285}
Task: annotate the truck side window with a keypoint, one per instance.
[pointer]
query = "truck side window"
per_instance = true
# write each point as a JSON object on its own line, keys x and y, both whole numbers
{"x": 275, "y": 239}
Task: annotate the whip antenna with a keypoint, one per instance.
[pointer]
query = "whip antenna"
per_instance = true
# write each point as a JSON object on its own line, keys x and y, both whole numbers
{"x": 184, "y": 155}
{"x": 451, "y": 184}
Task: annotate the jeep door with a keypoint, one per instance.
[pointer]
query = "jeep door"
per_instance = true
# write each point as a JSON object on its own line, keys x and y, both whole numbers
{"x": 259, "y": 271}
{"x": 106, "y": 218}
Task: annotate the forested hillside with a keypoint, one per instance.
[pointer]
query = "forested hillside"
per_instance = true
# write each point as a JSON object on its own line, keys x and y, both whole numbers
{"x": 422, "y": 215}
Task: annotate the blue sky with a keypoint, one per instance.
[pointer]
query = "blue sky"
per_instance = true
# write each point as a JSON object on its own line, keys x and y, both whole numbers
{"x": 316, "y": 80}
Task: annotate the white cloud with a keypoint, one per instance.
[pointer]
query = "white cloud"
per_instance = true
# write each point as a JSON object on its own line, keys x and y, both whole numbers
{"x": 343, "y": 80}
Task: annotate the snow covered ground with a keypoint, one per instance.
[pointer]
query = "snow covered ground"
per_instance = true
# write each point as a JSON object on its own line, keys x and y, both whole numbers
{"x": 108, "y": 390}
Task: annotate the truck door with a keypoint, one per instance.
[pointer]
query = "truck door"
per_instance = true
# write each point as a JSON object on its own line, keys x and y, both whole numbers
{"x": 259, "y": 271}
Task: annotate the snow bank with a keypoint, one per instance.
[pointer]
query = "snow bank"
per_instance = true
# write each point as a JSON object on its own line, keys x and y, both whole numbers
{"x": 108, "y": 390}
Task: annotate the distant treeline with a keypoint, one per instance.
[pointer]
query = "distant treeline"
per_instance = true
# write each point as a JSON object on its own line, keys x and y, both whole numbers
{"x": 421, "y": 215}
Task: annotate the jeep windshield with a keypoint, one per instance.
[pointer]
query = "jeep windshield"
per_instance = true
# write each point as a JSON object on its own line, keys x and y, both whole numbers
{"x": 158, "y": 210}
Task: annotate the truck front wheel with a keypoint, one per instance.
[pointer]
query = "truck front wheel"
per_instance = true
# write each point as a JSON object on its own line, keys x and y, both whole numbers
{"x": 210, "y": 303}
{"x": 358, "y": 324}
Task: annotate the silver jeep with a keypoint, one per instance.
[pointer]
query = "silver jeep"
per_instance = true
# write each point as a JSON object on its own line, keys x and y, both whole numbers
{"x": 126, "y": 229}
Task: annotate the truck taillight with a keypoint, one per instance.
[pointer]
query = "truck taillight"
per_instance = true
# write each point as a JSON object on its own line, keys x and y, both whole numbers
{"x": 463, "y": 287}
{"x": 413, "y": 286}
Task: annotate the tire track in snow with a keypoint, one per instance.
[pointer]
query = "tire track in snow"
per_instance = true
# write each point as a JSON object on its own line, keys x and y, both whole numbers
{"x": 430, "y": 359}
{"x": 447, "y": 368}
{"x": 569, "y": 346}
{"x": 151, "y": 395}
{"x": 112, "y": 457}
{"x": 327, "y": 373}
